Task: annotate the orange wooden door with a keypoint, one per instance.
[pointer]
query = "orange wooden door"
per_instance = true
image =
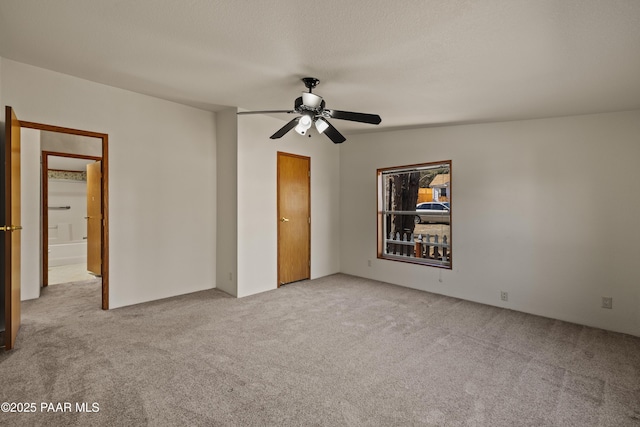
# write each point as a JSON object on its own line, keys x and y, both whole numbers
{"x": 294, "y": 218}
{"x": 11, "y": 229}
{"x": 94, "y": 218}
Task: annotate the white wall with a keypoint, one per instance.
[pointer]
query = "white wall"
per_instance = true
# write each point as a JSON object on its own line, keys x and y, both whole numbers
{"x": 227, "y": 201}
{"x": 546, "y": 210}
{"x": 30, "y": 252}
{"x": 257, "y": 208}
{"x": 162, "y": 173}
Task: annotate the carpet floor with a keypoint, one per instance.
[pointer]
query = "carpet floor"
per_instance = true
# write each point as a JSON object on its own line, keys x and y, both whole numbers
{"x": 338, "y": 351}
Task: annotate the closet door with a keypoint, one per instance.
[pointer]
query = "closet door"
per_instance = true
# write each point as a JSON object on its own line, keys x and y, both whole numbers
{"x": 294, "y": 218}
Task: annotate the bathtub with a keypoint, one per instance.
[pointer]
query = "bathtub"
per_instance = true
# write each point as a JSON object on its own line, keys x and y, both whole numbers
{"x": 68, "y": 253}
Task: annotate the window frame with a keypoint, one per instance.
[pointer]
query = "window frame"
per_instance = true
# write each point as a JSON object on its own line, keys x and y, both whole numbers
{"x": 380, "y": 203}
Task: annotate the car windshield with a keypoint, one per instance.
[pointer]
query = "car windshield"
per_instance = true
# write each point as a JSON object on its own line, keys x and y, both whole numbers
{"x": 447, "y": 205}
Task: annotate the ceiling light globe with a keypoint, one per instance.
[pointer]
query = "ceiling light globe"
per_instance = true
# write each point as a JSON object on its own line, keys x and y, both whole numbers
{"x": 321, "y": 125}
{"x": 305, "y": 121}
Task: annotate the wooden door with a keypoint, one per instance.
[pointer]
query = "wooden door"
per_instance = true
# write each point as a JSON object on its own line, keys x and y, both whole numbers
{"x": 294, "y": 218}
{"x": 10, "y": 229}
{"x": 94, "y": 218}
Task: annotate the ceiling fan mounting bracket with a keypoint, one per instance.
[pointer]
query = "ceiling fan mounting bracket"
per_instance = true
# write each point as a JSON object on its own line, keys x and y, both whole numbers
{"x": 310, "y": 82}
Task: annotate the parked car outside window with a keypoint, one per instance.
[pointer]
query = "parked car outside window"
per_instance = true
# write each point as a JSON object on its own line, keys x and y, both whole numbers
{"x": 438, "y": 212}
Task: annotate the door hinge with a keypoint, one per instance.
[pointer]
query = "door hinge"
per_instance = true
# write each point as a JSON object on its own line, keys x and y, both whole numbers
{"x": 309, "y": 220}
{"x": 309, "y": 174}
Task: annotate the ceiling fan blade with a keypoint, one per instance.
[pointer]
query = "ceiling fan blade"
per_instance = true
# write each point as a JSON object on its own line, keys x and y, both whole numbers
{"x": 266, "y": 112}
{"x": 286, "y": 128}
{"x": 333, "y": 134}
{"x": 373, "y": 119}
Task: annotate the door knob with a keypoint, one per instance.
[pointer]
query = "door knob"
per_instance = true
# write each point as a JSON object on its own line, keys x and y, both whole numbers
{"x": 11, "y": 228}
{"x": 283, "y": 219}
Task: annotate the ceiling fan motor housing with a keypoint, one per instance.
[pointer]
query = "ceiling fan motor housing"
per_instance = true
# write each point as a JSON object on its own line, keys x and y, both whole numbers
{"x": 314, "y": 104}
{"x": 311, "y": 100}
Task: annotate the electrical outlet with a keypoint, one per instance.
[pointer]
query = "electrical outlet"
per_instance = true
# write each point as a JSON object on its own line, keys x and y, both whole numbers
{"x": 369, "y": 263}
{"x": 504, "y": 296}
{"x": 607, "y": 302}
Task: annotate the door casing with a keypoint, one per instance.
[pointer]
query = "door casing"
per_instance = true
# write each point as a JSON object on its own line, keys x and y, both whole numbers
{"x": 105, "y": 195}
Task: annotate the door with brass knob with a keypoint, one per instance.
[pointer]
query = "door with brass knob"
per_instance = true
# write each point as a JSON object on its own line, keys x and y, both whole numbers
{"x": 9, "y": 217}
{"x": 294, "y": 218}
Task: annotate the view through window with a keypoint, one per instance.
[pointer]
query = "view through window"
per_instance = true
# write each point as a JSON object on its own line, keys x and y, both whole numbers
{"x": 414, "y": 213}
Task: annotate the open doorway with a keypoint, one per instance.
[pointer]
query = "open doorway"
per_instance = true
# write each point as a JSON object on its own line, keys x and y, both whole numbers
{"x": 71, "y": 217}
{"x": 63, "y": 151}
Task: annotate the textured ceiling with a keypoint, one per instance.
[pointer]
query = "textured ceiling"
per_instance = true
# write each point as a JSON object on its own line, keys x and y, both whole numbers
{"x": 414, "y": 62}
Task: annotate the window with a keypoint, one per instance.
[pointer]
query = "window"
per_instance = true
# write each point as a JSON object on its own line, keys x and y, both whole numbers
{"x": 414, "y": 214}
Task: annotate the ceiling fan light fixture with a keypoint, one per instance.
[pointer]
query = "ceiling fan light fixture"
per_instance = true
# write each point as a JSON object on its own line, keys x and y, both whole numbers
{"x": 304, "y": 124}
{"x": 321, "y": 125}
{"x": 311, "y": 110}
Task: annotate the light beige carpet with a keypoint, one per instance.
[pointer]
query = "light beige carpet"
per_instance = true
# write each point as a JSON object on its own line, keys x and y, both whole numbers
{"x": 334, "y": 351}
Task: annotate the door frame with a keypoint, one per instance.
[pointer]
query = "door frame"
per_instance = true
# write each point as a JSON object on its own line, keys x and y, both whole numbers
{"x": 279, "y": 154}
{"x": 105, "y": 195}
{"x": 45, "y": 206}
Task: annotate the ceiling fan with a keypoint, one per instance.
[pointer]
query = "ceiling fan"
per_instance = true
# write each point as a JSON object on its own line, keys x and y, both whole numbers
{"x": 312, "y": 112}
